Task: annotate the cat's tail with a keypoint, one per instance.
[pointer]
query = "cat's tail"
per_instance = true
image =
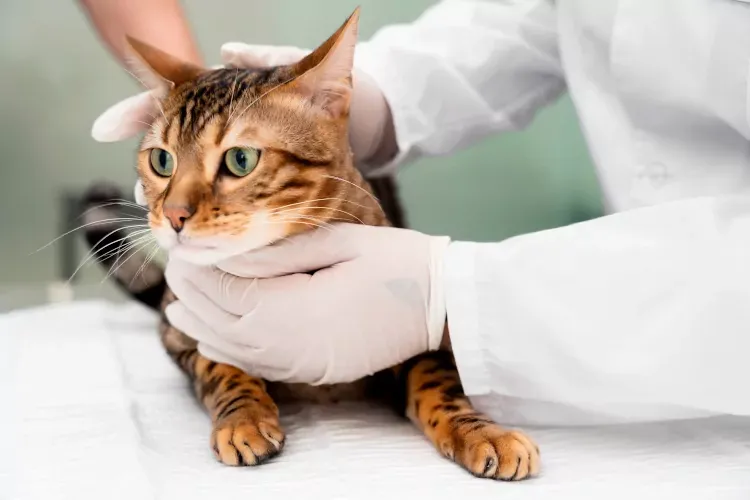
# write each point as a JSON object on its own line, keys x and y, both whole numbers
{"x": 116, "y": 233}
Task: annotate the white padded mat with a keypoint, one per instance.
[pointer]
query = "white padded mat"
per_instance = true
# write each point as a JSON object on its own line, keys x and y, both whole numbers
{"x": 93, "y": 408}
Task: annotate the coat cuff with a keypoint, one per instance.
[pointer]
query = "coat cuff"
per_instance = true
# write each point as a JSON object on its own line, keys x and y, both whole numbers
{"x": 459, "y": 275}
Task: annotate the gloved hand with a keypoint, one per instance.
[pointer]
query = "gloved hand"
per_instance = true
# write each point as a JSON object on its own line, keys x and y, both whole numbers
{"x": 374, "y": 300}
{"x": 371, "y": 128}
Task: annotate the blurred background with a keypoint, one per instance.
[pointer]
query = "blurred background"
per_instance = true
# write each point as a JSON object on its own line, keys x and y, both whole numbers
{"x": 57, "y": 77}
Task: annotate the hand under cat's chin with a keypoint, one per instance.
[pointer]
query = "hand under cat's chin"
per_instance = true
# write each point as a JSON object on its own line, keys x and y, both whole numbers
{"x": 198, "y": 255}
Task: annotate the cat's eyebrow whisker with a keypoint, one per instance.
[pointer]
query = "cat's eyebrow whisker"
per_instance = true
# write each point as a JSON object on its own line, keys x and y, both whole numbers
{"x": 319, "y": 208}
{"x": 103, "y": 221}
{"x": 160, "y": 130}
{"x": 319, "y": 199}
{"x": 264, "y": 94}
{"x": 231, "y": 99}
{"x": 358, "y": 187}
{"x": 146, "y": 86}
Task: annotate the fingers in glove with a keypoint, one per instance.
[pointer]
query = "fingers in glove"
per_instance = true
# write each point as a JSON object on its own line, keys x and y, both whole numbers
{"x": 125, "y": 119}
{"x": 242, "y": 55}
{"x": 221, "y": 298}
{"x": 250, "y": 364}
{"x": 210, "y": 352}
{"x": 302, "y": 253}
{"x": 181, "y": 317}
{"x": 189, "y": 282}
{"x": 240, "y": 296}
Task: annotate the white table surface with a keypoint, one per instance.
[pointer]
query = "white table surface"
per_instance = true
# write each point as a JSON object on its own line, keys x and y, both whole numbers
{"x": 93, "y": 408}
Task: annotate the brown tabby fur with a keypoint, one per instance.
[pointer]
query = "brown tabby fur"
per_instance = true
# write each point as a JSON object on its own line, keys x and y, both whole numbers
{"x": 305, "y": 169}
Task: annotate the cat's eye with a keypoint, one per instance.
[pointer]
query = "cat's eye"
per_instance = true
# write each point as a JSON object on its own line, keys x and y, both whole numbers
{"x": 162, "y": 162}
{"x": 241, "y": 161}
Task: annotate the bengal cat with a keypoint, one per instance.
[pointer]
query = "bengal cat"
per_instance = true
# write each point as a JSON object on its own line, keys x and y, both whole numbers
{"x": 240, "y": 158}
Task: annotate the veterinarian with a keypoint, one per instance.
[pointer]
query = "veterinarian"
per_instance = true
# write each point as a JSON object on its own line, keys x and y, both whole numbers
{"x": 641, "y": 314}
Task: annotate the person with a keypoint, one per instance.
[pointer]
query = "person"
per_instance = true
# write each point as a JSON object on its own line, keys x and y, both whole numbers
{"x": 161, "y": 23}
{"x": 641, "y": 314}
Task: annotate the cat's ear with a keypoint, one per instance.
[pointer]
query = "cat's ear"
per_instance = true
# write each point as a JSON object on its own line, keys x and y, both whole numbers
{"x": 326, "y": 73}
{"x": 157, "y": 69}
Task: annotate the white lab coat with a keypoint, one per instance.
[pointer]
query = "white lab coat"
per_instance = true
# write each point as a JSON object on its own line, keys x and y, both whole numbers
{"x": 644, "y": 313}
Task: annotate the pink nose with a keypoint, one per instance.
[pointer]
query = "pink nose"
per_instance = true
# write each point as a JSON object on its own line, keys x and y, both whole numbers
{"x": 177, "y": 215}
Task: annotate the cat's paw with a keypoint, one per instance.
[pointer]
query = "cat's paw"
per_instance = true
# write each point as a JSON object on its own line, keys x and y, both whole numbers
{"x": 246, "y": 440}
{"x": 490, "y": 451}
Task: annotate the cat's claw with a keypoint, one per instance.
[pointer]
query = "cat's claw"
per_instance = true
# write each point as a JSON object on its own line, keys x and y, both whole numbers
{"x": 494, "y": 452}
{"x": 241, "y": 441}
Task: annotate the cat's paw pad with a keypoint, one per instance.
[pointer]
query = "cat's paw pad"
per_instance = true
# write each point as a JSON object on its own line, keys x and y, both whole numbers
{"x": 245, "y": 441}
{"x": 493, "y": 452}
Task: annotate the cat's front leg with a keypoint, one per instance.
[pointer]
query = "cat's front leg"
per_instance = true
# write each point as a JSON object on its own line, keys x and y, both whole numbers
{"x": 436, "y": 403}
{"x": 246, "y": 429}
{"x": 245, "y": 420}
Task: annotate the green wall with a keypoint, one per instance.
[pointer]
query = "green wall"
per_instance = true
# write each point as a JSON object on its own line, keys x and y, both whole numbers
{"x": 56, "y": 78}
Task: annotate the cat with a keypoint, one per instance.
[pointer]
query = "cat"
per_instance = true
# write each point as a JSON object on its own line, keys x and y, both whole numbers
{"x": 240, "y": 158}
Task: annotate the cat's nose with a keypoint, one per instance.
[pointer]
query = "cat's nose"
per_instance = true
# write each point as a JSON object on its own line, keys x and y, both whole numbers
{"x": 178, "y": 214}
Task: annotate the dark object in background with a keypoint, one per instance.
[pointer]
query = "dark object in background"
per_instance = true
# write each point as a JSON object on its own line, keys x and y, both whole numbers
{"x": 386, "y": 190}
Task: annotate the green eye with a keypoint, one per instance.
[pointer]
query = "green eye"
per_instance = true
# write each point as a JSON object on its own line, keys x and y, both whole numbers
{"x": 162, "y": 162}
{"x": 241, "y": 161}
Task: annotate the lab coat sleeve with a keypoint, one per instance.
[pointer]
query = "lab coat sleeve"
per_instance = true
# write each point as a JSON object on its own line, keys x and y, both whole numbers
{"x": 463, "y": 70}
{"x": 639, "y": 315}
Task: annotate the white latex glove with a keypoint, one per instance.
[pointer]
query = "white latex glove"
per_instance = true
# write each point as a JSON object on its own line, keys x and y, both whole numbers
{"x": 370, "y": 126}
{"x": 375, "y": 300}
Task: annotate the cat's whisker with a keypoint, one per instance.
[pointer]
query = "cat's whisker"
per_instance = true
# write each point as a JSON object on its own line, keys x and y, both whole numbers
{"x": 356, "y": 186}
{"x": 320, "y": 208}
{"x": 94, "y": 252}
{"x": 319, "y": 219}
{"x": 327, "y": 222}
{"x": 146, "y": 262}
{"x": 110, "y": 203}
{"x": 114, "y": 251}
{"x": 129, "y": 203}
{"x": 119, "y": 250}
{"x": 99, "y": 258}
{"x": 321, "y": 199}
{"x": 116, "y": 267}
{"x": 297, "y": 221}
{"x": 93, "y": 223}
{"x": 150, "y": 258}
{"x": 292, "y": 213}
{"x": 309, "y": 218}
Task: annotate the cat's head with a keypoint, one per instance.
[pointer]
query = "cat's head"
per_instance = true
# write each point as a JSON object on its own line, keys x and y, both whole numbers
{"x": 239, "y": 158}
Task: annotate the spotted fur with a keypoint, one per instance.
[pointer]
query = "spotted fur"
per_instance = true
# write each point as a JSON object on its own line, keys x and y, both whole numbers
{"x": 306, "y": 164}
